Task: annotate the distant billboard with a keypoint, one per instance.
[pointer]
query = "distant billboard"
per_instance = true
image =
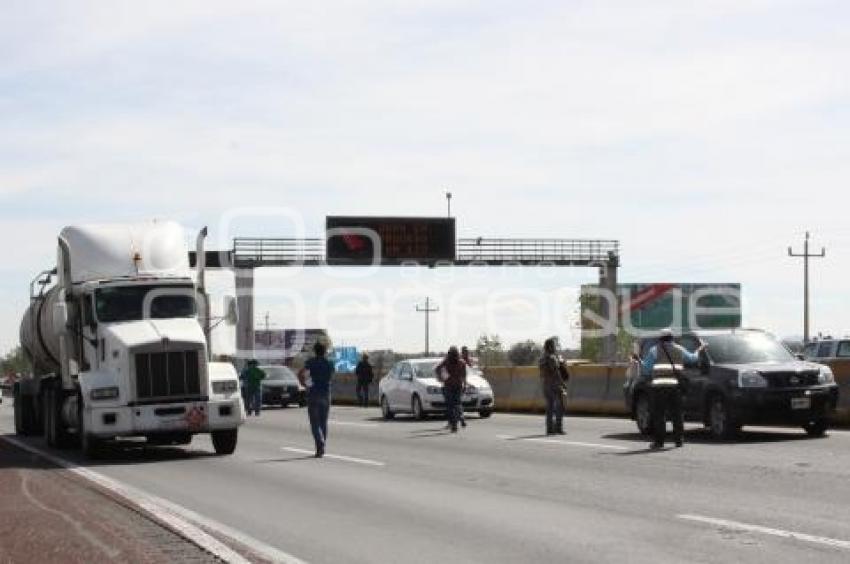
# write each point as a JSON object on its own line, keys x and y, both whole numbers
{"x": 278, "y": 346}
{"x": 679, "y": 305}
{"x": 389, "y": 240}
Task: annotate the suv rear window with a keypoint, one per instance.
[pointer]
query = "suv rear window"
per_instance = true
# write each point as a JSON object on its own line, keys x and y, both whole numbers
{"x": 843, "y": 349}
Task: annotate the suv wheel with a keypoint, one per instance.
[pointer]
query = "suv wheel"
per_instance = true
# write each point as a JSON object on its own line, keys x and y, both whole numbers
{"x": 385, "y": 409}
{"x": 643, "y": 416}
{"x": 723, "y": 424}
{"x": 816, "y": 428}
{"x": 416, "y": 408}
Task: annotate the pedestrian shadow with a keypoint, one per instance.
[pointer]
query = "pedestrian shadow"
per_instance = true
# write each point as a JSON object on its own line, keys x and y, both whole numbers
{"x": 526, "y": 437}
{"x": 281, "y": 460}
{"x": 425, "y": 433}
{"x": 704, "y": 437}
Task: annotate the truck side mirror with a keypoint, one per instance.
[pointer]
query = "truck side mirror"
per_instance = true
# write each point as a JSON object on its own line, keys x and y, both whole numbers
{"x": 231, "y": 311}
{"x": 60, "y": 319}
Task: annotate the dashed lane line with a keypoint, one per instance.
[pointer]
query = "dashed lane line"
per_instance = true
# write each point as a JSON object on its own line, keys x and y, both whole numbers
{"x": 560, "y": 442}
{"x": 745, "y": 527}
{"x": 337, "y": 457}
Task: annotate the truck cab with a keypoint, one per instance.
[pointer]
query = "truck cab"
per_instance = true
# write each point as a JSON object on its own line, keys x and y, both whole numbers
{"x": 119, "y": 345}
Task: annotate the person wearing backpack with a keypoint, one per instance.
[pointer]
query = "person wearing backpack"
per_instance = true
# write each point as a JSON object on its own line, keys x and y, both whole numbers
{"x": 553, "y": 378}
{"x": 665, "y": 394}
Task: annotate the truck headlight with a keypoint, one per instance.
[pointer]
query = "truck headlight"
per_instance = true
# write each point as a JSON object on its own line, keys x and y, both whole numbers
{"x": 225, "y": 387}
{"x": 825, "y": 376}
{"x": 434, "y": 390}
{"x": 751, "y": 379}
{"x": 104, "y": 393}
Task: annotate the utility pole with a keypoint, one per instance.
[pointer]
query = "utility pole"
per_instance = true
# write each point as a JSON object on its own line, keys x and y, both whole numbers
{"x": 806, "y": 255}
{"x": 449, "y": 202}
{"x": 427, "y": 310}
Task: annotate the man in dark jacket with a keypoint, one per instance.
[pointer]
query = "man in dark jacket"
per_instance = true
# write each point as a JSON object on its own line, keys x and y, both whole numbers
{"x": 553, "y": 377}
{"x": 365, "y": 375}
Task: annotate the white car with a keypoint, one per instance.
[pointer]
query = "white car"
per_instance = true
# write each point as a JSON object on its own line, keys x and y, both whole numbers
{"x": 412, "y": 387}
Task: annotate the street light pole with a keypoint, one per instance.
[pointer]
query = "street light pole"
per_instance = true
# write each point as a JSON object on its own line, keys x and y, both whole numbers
{"x": 449, "y": 202}
{"x": 427, "y": 310}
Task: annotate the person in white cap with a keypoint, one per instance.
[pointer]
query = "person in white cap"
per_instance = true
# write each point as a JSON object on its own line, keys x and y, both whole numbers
{"x": 666, "y": 393}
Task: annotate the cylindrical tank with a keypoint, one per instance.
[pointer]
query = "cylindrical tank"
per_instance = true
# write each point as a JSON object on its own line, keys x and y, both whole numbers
{"x": 38, "y": 336}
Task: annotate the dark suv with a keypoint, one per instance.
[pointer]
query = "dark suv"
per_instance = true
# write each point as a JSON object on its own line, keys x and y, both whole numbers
{"x": 744, "y": 377}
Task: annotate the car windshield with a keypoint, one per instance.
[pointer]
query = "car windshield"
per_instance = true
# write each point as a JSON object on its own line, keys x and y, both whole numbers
{"x": 132, "y": 303}
{"x": 425, "y": 369}
{"x": 279, "y": 373}
{"x": 746, "y": 348}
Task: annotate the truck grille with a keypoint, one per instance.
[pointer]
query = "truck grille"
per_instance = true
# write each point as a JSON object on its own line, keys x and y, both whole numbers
{"x": 165, "y": 375}
{"x": 791, "y": 379}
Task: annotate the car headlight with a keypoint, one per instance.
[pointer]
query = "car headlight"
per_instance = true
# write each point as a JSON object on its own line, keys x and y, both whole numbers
{"x": 225, "y": 386}
{"x": 104, "y": 393}
{"x": 751, "y": 379}
{"x": 825, "y": 376}
{"x": 434, "y": 390}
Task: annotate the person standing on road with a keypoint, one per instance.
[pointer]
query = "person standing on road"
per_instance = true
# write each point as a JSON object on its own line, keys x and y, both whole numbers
{"x": 454, "y": 381}
{"x": 252, "y": 387}
{"x": 467, "y": 360}
{"x": 316, "y": 377}
{"x": 665, "y": 394}
{"x": 553, "y": 377}
{"x": 365, "y": 375}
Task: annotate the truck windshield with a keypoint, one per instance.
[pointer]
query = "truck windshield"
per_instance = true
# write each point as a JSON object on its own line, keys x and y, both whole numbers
{"x": 131, "y": 303}
{"x": 746, "y": 348}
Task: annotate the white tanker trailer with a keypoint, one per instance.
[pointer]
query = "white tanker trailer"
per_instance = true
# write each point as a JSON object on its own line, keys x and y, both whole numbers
{"x": 118, "y": 337}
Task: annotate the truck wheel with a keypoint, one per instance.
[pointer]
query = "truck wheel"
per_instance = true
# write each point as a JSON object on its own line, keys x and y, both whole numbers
{"x": 55, "y": 432}
{"x": 224, "y": 442}
{"x": 643, "y": 416}
{"x": 816, "y": 428}
{"x": 91, "y": 446}
{"x": 723, "y": 424}
{"x": 21, "y": 415}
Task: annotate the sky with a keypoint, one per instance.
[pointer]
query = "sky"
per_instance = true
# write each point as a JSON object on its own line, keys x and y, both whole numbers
{"x": 706, "y": 137}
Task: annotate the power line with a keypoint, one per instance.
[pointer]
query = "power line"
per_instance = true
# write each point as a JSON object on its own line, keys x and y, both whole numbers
{"x": 806, "y": 255}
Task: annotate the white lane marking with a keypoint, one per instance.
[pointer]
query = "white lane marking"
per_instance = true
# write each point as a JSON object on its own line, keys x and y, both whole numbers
{"x": 835, "y": 543}
{"x": 559, "y": 442}
{"x": 179, "y": 518}
{"x": 353, "y": 424}
{"x": 337, "y": 457}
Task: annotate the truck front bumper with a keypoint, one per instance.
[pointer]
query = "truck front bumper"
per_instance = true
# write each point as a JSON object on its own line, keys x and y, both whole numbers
{"x": 185, "y": 417}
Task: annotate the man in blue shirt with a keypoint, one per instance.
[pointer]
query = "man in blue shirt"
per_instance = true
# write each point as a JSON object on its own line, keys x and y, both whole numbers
{"x": 316, "y": 377}
{"x": 665, "y": 394}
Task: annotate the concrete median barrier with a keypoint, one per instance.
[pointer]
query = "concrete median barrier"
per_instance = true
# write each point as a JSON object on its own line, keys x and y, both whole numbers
{"x": 594, "y": 389}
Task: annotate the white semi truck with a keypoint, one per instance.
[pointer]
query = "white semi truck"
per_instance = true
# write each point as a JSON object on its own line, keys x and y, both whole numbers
{"x": 119, "y": 340}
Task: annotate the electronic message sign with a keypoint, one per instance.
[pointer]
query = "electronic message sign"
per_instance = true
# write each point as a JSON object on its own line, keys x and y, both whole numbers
{"x": 389, "y": 240}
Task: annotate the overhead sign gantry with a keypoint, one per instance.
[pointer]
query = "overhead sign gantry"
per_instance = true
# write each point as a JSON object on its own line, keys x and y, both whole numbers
{"x": 403, "y": 241}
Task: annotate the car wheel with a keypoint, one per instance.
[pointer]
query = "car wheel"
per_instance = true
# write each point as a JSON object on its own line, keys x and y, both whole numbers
{"x": 416, "y": 408}
{"x": 643, "y": 416}
{"x": 723, "y": 424}
{"x": 816, "y": 428}
{"x": 284, "y": 403}
{"x": 485, "y": 413}
{"x": 385, "y": 409}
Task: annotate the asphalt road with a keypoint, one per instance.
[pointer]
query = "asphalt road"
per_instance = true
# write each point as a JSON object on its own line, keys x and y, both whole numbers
{"x": 499, "y": 491}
